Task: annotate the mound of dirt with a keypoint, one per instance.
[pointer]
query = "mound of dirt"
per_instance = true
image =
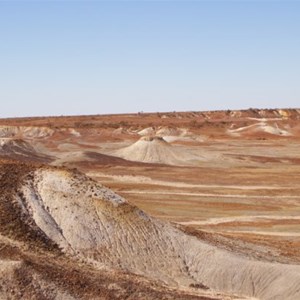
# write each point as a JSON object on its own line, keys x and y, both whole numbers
{"x": 165, "y": 132}
{"x": 21, "y": 150}
{"x": 82, "y": 158}
{"x": 171, "y": 131}
{"x": 260, "y": 127}
{"x": 68, "y": 211}
{"x": 154, "y": 149}
{"x": 147, "y": 131}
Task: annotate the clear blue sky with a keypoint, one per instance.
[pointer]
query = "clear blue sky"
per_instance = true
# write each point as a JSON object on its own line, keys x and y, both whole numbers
{"x": 94, "y": 57}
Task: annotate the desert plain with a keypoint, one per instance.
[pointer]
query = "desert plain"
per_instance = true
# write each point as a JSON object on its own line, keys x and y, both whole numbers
{"x": 175, "y": 205}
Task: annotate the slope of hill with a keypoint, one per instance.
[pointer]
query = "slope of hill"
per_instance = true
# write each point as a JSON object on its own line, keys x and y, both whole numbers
{"x": 21, "y": 150}
{"x": 149, "y": 149}
{"x": 58, "y": 210}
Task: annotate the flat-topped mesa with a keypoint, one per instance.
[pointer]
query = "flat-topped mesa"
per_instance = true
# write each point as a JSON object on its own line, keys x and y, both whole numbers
{"x": 27, "y": 132}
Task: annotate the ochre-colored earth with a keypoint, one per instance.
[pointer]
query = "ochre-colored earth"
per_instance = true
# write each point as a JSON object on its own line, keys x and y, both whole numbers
{"x": 222, "y": 182}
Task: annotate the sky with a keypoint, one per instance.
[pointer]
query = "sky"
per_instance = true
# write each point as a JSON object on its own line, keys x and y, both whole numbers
{"x": 99, "y": 57}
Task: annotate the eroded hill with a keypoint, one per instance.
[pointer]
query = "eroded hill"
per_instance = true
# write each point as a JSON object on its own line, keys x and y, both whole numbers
{"x": 62, "y": 212}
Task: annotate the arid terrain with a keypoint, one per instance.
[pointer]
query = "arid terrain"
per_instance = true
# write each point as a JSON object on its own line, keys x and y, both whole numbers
{"x": 191, "y": 205}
